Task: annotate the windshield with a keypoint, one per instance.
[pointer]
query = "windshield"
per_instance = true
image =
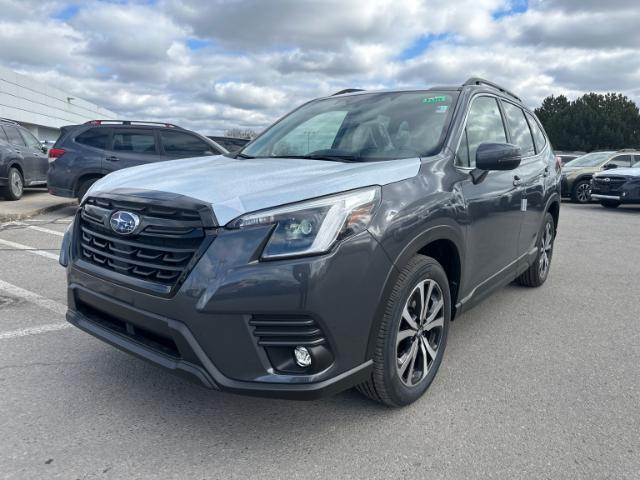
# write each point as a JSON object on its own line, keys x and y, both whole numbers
{"x": 365, "y": 127}
{"x": 589, "y": 160}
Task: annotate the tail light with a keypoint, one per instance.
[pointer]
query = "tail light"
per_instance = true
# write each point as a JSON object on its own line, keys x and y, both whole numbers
{"x": 55, "y": 153}
{"x": 558, "y": 163}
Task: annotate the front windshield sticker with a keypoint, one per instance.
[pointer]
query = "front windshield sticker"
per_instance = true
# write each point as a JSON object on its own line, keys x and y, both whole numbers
{"x": 438, "y": 99}
{"x": 442, "y": 108}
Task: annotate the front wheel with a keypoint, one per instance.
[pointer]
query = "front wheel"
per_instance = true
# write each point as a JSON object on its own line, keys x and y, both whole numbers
{"x": 412, "y": 334}
{"x": 582, "y": 192}
{"x": 538, "y": 272}
{"x": 609, "y": 203}
{"x": 15, "y": 185}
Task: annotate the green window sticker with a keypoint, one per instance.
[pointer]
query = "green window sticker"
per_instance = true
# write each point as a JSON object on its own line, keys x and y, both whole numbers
{"x": 438, "y": 99}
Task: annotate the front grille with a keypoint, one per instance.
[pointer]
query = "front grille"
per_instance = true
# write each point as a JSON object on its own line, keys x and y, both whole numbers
{"x": 159, "y": 251}
{"x": 613, "y": 184}
{"x": 286, "y": 331}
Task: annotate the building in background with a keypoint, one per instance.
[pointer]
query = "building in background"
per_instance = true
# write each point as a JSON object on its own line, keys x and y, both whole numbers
{"x": 43, "y": 109}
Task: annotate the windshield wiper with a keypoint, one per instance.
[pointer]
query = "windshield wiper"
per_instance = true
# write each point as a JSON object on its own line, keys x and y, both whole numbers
{"x": 242, "y": 155}
{"x": 333, "y": 158}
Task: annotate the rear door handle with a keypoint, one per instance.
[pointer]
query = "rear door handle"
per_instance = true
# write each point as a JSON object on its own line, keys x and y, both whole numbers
{"x": 517, "y": 181}
{"x": 112, "y": 158}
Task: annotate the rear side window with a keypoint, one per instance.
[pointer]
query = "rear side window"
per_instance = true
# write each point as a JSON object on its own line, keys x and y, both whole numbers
{"x": 636, "y": 159}
{"x": 134, "y": 142}
{"x": 520, "y": 133}
{"x": 484, "y": 125}
{"x": 3, "y": 136}
{"x": 94, "y": 137}
{"x": 179, "y": 143}
{"x": 14, "y": 135}
{"x": 538, "y": 136}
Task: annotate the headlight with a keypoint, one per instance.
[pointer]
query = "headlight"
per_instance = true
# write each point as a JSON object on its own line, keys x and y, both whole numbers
{"x": 312, "y": 227}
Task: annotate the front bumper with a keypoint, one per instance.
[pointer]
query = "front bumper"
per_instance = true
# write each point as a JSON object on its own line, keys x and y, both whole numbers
{"x": 206, "y": 330}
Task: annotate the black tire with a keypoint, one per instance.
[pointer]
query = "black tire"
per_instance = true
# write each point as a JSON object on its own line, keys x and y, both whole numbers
{"x": 609, "y": 203}
{"x": 15, "y": 185}
{"x": 85, "y": 186}
{"x": 579, "y": 189}
{"x": 535, "y": 275}
{"x": 387, "y": 384}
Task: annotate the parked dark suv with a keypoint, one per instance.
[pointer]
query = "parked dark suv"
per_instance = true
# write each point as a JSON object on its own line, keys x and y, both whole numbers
{"x": 23, "y": 160}
{"x": 88, "y": 152}
{"x": 331, "y": 252}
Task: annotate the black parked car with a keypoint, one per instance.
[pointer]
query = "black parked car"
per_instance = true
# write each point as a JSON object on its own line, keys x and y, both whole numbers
{"x": 88, "y": 152}
{"x": 333, "y": 251}
{"x": 23, "y": 160}
{"x": 617, "y": 186}
{"x": 230, "y": 143}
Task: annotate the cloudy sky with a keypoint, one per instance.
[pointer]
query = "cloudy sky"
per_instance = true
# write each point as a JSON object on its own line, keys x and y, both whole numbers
{"x": 215, "y": 64}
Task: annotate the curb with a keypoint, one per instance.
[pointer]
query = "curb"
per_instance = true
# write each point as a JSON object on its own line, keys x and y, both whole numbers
{"x": 13, "y": 217}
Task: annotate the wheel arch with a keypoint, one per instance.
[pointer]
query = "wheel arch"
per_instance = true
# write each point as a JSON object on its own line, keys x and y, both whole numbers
{"x": 84, "y": 177}
{"x": 553, "y": 207}
{"x": 444, "y": 244}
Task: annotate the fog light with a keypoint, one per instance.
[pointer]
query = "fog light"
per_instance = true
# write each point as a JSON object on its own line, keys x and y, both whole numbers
{"x": 303, "y": 358}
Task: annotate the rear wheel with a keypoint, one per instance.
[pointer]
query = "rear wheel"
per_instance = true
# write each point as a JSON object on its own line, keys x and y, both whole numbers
{"x": 582, "y": 191}
{"x": 412, "y": 335}
{"x": 84, "y": 187}
{"x": 15, "y": 185}
{"x": 538, "y": 272}
{"x": 609, "y": 203}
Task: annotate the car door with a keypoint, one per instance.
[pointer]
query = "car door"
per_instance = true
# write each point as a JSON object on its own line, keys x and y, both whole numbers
{"x": 37, "y": 156}
{"x": 532, "y": 174}
{"x": 21, "y": 152}
{"x": 130, "y": 147}
{"x": 493, "y": 204}
{"x": 178, "y": 144}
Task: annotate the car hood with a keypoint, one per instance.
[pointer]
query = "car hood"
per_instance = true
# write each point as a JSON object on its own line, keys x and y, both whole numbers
{"x": 620, "y": 172}
{"x": 233, "y": 187}
{"x": 570, "y": 170}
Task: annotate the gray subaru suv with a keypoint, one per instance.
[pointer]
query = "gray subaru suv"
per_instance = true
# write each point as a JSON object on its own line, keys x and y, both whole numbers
{"x": 332, "y": 251}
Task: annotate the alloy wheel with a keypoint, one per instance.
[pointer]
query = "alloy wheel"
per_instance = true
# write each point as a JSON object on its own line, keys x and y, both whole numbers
{"x": 15, "y": 183}
{"x": 546, "y": 247}
{"x": 583, "y": 193}
{"x": 419, "y": 332}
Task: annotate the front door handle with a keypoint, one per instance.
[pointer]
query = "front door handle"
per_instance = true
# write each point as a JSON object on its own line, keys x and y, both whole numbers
{"x": 517, "y": 181}
{"x": 112, "y": 158}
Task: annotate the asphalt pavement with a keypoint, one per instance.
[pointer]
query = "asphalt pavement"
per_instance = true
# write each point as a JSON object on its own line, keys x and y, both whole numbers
{"x": 536, "y": 383}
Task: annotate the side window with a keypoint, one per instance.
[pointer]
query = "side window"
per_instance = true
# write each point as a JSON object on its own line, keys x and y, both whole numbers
{"x": 636, "y": 160}
{"x": 31, "y": 141}
{"x": 538, "y": 135}
{"x": 484, "y": 124}
{"x": 3, "y": 136}
{"x": 620, "y": 161}
{"x": 94, "y": 137}
{"x": 520, "y": 133}
{"x": 178, "y": 143}
{"x": 135, "y": 142}
{"x": 14, "y": 135}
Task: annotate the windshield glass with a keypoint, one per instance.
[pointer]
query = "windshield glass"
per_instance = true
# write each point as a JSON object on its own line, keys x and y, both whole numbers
{"x": 365, "y": 127}
{"x": 589, "y": 160}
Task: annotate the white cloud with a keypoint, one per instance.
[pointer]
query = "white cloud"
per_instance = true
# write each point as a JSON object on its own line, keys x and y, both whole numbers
{"x": 243, "y": 63}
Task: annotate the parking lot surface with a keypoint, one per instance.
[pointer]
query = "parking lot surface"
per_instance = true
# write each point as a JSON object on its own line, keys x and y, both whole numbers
{"x": 535, "y": 383}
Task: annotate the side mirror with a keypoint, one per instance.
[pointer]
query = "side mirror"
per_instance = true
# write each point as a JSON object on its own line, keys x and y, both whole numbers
{"x": 497, "y": 156}
{"x": 609, "y": 166}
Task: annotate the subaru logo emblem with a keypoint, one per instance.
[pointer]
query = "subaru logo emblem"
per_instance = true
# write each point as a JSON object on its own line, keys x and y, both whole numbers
{"x": 124, "y": 223}
{"x": 607, "y": 179}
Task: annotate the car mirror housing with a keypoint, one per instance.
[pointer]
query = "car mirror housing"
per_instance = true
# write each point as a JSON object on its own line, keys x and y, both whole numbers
{"x": 610, "y": 166}
{"x": 498, "y": 156}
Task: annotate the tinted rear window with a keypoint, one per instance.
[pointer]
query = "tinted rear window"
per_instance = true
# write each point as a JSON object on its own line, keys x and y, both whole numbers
{"x": 136, "y": 142}
{"x": 14, "y": 135}
{"x": 94, "y": 137}
{"x": 538, "y": 135}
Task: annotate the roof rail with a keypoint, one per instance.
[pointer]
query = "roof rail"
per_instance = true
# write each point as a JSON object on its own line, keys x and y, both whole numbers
{"x": 348, "y": 90}
{"x": 482, "y": 81}
{"x": 627, "y": 150}
{"x": 8, "y": 120}
{"x": 129, "y": 122}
